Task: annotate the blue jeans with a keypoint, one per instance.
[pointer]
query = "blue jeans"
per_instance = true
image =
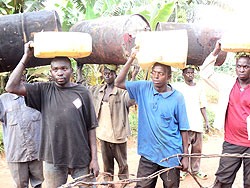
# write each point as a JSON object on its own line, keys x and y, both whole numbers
{"x": 55, "y": 176}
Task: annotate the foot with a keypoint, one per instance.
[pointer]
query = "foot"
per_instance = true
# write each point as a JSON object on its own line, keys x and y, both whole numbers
{"x": 183, "y": 175}
{"x": 201, "y": 175}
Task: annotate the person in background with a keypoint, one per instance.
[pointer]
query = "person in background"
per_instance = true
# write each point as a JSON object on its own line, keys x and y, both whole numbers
{"x": 68, "y": 138}
{"x": 162, "y": 124}
{"x": 21, "y": 138}
{"x": 112, "y": 109}
{"x": 232, "y": 113}
{"x": 196, "y": 102}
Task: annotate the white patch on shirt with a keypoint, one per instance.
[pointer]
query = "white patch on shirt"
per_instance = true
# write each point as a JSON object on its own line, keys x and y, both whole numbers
{"x": 77, "y": 103}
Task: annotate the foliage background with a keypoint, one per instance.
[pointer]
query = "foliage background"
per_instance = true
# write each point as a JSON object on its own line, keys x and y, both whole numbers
{"x": 72, "y": 11}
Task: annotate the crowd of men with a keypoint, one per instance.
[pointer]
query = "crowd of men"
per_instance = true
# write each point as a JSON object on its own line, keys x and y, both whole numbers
{"x": 63, "y": 119}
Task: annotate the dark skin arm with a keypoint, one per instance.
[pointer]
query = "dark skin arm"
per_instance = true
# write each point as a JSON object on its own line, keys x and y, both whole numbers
{"x": 121, "y": 78}
{"x": 184, "y": 161}
{"x": 217, "y": 48}
{"x": 135, "y": 72}
{"x": 14, "y": 84}
{"x": 204, "y": 114}
{"x": 93, "y": 166}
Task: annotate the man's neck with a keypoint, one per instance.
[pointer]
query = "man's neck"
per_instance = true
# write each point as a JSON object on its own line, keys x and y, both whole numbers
{"x": 110, "y": 86}
{"x": 244, "y": 83}
{"x": 190, "y": 83}
{"x": 164, "y": 89}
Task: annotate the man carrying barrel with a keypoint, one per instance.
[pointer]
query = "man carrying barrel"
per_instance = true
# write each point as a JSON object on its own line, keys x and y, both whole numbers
{"x": 162, "y": 124}
{"x": 233, "y": 114}
{"x": 68, "y": 139}
{"x": 112, "y": 109}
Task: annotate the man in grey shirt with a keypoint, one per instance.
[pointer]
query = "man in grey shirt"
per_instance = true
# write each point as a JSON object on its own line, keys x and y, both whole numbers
{"x": 21, "y": 137}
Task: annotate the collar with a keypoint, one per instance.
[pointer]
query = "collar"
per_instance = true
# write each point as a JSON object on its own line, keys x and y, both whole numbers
{"x": 15, "y": 97}
{"x": 114, "y": 91}
{"x": 165, "y": 94}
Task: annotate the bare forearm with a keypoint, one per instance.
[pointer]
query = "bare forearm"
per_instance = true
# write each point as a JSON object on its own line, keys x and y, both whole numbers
{"x": 204, "y": 113}
{"x": 14, "y": 84}
{"x": 184, "y": 160}
{"x": 92, "y": 143}
{"x": 184, "y": 135}
{"x": 121, "y": 78}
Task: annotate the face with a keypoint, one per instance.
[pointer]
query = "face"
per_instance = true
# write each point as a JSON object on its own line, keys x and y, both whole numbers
{"x": 160, "y": 76}
{"x": 109, "y": 76}
{"x": 188, "y": 74}
{"x": 61, "y": 71}
{"x": 243, "y": 68}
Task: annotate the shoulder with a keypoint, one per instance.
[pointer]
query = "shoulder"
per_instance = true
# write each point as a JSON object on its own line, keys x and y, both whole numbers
{"x": 178, "y": 94}
{"x": 6, "y": 96}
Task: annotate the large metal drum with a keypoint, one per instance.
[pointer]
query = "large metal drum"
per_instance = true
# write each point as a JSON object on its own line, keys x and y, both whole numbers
{"x": 113, "y": 37}
{"x": 17, "y": 29}
{"x": 201, "y": 41}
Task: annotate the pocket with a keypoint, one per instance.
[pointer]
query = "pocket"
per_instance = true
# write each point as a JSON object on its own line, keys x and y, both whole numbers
{"x": 165, "y": 121}
{"x": 36, "y": 116}
{"x": 11, "y": 118}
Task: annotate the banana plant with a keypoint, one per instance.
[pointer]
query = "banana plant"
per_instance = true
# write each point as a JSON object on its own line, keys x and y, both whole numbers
{"x": 20, "y": 6}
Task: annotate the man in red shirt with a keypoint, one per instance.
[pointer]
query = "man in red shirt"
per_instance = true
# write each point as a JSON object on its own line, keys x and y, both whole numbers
{"x": 234, "y": 106}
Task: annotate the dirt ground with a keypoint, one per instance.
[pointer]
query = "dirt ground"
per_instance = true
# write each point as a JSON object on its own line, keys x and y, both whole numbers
{"x": 211, "y": 146}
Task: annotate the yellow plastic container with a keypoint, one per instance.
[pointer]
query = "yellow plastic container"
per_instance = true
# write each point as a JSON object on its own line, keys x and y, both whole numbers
{"x": 68, "y": 44}
{"x": 166, "y": 47}
{"x": 236, "y": 41}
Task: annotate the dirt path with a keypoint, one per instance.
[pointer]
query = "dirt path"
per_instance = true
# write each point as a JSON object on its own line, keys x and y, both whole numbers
{"x": 211, "y": 146}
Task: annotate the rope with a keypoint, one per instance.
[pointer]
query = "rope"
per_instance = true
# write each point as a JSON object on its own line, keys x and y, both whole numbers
{"x": 79, "y": 182}
{"x": 200, "y": 155}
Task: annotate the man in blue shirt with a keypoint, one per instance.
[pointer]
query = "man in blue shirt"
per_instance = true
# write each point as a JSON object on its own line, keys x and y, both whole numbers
{"x": 162, "y": 124}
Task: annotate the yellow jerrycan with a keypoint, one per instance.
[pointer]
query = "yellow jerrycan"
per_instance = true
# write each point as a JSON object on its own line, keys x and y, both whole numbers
{"x": 68, "y": 44}
{"x": 236, "y": 41}
{"x": 166, "y": 47}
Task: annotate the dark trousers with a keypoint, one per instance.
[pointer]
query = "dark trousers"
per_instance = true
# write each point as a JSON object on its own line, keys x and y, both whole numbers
{"x": 195, "y": 141}
{"x": 23, "y": 172}
{"x": 229, "y": 166}
{"x": 111, "y": 151}
{"x": 171, "y": 179}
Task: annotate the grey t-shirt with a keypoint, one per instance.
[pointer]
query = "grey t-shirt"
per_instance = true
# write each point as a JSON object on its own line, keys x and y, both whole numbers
{"x": 67, "y": 116}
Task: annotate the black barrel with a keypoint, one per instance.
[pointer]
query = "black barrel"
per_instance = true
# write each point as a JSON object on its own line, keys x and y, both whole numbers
{"x": 17, "y": 29}
{"x": 201, "y": 41}
{"x": 113, "y": 37}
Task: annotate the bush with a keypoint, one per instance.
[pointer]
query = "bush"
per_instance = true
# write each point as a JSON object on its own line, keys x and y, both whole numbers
{"x": 133, "y": 121}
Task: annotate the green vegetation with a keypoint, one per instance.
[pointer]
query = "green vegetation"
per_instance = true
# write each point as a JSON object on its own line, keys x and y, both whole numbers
{"x": 133, "y": 121}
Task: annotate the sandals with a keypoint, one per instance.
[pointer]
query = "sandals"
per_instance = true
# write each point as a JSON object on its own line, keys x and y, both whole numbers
{"x": 201, "y": 175}
{"x": 183, "y": 175}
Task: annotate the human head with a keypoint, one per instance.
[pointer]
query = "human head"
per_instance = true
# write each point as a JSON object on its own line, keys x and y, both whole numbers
{"x": 161, "y": 74}
{"x": 243, "y": 66}
{"x": 188, "y": 74}
{"x": 61, "y": 71}
{"x": 109, "y": 73}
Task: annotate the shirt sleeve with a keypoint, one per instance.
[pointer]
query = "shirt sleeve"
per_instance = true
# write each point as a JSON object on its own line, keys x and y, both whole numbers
{"x": 91, "y": 117}
{"x": 181, "y": 113}
{"x": 134, "y": 88}
{"x": 203, "y": 98}
{"x": 33, "y": 98}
